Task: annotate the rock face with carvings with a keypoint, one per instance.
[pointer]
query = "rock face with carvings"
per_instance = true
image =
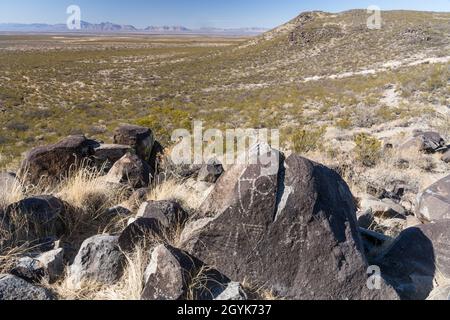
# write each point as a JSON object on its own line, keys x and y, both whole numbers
{"x": 289, "y": 225}
{"x": 434, "y": 203}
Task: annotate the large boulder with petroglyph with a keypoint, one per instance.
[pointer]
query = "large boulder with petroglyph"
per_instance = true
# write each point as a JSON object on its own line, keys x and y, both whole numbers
{"x": 289, "y": 226}
{"x": 434, "y": 203}
{"x": 51, "y": 163}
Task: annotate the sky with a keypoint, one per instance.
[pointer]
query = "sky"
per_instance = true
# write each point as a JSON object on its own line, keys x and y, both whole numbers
{"x": 193, "y": 13}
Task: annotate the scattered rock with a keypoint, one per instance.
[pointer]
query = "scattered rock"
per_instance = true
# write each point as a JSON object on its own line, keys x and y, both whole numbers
{"x": 169, "y": 274}
{"x": 137, "y": 198}
{"x": 98, "y": 260}
{"x": 366, "y": 219}
{"x": 385, "y": 208}
{"x": 118, "y": 211}
{"x": 105, "y": 155}
{"x": 130, "y": 170}
{"x": 392, "y": 227}
{"x": 415, "y": 258}
{"x": 139, "y": 138}
{"x": 51, "y": 163}
{"x": 29, "y": 269}
{"x": 210, "y": 172}
{"x": 15, "y": 289}
{"x": 434, "y": 203}
{"x": 53, "y": 264}
{"x": 233, "y": 292}
{"x": 169, "y": 213}
{"x": 49, "y": 265}
{"x": 271, "y": 227}
{"x": 429, "y": 142}
{"x": 446, "y": 157}
{"x": 412, "y": 221}
{"x": 41, "y": 215}
{"x": 140, "y": 230}
{"x": 175, "y": 275}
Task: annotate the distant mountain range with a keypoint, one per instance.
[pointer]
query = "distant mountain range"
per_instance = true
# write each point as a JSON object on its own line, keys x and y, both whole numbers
{"x": 108, "y": 27}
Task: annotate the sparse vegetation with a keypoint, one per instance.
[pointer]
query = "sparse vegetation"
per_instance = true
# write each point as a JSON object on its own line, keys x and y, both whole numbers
{"x": 368, "y": 149}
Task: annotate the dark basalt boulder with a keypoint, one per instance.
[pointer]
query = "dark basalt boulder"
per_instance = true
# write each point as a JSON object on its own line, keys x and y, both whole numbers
{"x": 293, "y": 230}
{"x": 38, "y": 216}
{"x": 130, "y": 170}
{"x": 52, "y": 163}
{"x": 99, "y": 260}
{"x": 173, "y": 274}
{"x": 13, "y": 288}
{"x": 141, "y": 139}
{"x": 416, "y": 258}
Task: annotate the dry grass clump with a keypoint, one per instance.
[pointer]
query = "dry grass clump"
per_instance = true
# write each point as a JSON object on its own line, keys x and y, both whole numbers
{"x": 87, "y": 190}
{"x": 255, "y": 292}
{"x": 90, "y": 196}
{"x": 187, "y": 196}
{"x": 12, "y": 193}
{"x": 129, "y": 287}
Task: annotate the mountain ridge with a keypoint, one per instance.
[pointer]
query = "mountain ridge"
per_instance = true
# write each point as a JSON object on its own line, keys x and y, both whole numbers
{"x": 109, "y": 27}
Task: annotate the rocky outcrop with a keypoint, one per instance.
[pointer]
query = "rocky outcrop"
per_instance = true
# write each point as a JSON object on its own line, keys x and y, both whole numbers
{"x": 130, "y": 170}
{"x": 48, "y": 265}
{"x": 15, "y": 288}
{"x": 446, "y": 157}
{"x": 140, "y": 231}
{"x": 141, "y": 139}
{"x": 99, "y": 260}
{"x": 105, "y": 155}
{"x": 429, "y": 142}
{"x": 175, "y": 275}
{"x": 210, "y": 172}
{"x": 272, "y": 228}
{"x": 38, "y": 216}
{"x": 434, "y": 203}
{"x": 169, "y": 213}
{"x": 51, "y": 163}
{"x": 386, "y": 208}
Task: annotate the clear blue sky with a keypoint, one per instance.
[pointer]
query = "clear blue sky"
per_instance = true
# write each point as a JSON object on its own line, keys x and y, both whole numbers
{"x": 193, "y": 13}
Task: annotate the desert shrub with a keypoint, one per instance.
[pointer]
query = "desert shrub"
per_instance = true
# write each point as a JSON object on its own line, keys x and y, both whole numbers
{"x": 307, "y": 140}
{"x": 385, "y": 113}
{"x": 438, "y": 78}
{"x": 368, "y": 149}
{"x": 344, "y": 123}
{"x": 163, "y": 120}
{"x": 17, "y": 126}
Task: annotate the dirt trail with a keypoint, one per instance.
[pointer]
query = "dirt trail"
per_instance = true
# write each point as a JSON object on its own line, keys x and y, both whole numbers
{"x": 388, "y": 66}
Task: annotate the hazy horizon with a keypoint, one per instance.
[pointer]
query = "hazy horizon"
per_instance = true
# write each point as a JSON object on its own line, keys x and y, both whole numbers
{"x": 193, "y": 14}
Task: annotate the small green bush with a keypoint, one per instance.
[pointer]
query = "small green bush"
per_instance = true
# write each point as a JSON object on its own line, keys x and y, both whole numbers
{"x": 368, "y": 149}
{"x": 306, "y": 140}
